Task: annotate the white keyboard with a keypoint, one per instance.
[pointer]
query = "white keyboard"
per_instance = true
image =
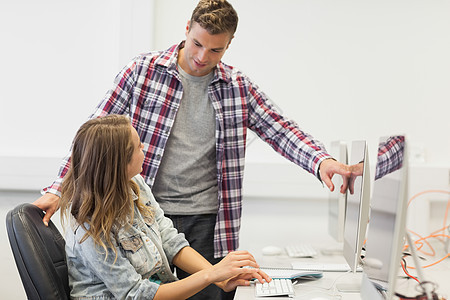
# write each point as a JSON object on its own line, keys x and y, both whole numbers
{"x": 300, "y": 250}
{"x": 277, "y": 287}
{"x": 323, "y": 267}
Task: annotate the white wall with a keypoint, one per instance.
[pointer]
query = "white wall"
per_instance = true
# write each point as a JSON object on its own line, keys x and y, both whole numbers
{"x": 58, "y": 60}
{"x": 344, "y": 69}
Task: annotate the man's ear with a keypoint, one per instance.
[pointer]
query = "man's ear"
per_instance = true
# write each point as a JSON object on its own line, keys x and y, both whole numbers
{"x": 229, "y": 42}
{"x": 188, "y": 26}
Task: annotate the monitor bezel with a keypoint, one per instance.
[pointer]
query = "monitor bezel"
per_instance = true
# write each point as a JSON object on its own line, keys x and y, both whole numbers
{"x": 337, "y": 201}
{"x": 352, "y": 253}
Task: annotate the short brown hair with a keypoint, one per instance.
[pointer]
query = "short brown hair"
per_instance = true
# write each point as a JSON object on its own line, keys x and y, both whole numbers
{"x": 215, "y": 16}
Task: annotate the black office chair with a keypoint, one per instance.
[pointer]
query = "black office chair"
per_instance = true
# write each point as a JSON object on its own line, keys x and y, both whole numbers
{"x": 39, "y": 253}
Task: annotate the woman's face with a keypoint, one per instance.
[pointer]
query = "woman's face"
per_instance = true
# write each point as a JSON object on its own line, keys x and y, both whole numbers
{"x": 137, "y": 159}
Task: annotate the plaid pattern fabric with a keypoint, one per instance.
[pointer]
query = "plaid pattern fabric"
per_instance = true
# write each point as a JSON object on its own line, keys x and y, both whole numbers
{"x": 390, "y": 155}
{"x": 149, "y": 90}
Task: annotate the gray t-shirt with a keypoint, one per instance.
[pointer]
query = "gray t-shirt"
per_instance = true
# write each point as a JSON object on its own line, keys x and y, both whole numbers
{"x": 186, "y": 183}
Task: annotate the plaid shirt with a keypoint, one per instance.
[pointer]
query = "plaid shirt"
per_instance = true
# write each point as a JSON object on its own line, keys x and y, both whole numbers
{"x": 149, "y": 90}
{"x": 390, "y": 155}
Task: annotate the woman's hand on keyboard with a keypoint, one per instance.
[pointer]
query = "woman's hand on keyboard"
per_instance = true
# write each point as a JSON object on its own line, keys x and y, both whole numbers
{"x": 230, "y": 272}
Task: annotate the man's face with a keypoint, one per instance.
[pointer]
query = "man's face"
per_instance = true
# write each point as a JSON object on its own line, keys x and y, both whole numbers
{"x": 202, "y": 51}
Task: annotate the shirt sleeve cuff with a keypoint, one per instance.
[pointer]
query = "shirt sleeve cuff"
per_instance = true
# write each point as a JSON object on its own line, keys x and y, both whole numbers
{"x": 52, "y": 190}
{"x": 323, "y": 157}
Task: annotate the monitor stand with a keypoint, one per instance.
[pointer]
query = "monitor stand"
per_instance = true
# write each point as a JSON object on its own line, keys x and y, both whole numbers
{"x": 426, "y": 289}
{"x": 351, "y": 284}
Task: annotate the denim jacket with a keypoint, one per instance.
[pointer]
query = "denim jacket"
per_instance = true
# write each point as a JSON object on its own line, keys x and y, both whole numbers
{"x": 144, "y": 251}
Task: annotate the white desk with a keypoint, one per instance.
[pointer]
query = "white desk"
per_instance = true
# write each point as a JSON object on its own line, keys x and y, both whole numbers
{"x": 307, "y": 289}
{"x": 328, "y": 285}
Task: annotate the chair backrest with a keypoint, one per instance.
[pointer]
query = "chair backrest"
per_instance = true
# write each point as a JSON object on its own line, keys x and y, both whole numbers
{"x": 39, "y": 253}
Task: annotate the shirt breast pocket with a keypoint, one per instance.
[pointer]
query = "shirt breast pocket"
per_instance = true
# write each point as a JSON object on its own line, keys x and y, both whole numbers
{"x": 153, "y": 101}
{"x": 142, "y": 258}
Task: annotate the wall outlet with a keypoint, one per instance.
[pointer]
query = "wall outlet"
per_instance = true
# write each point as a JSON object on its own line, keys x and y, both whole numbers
{"x": 417, "y": 154}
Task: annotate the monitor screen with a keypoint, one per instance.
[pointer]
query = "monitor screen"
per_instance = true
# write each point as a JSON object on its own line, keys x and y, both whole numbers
{"x": 357, "y": 208}
{"x": 337, "y": 200}
{"x": 385, "y": 236}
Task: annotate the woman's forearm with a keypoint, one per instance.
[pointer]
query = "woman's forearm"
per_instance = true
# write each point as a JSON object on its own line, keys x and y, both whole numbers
{"x": 184, "y": 288}
{"x": 190, "y": 261}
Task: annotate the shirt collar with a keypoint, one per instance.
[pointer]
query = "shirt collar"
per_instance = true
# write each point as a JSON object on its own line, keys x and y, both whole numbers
{"x": 134, "y": 197}
{"x": 169, "y": 59}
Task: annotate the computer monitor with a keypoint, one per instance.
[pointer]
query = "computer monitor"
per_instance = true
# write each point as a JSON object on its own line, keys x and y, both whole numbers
{"x": 385, "y": 236}
{"x": 357, "y": 208}
{"x": 337, "y": 200}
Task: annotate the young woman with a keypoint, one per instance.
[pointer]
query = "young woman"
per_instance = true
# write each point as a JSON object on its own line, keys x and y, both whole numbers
{"x": 119, "y": 245}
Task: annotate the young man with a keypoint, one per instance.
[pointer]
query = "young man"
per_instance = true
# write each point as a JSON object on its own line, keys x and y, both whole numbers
{"x": 192, "y": 113}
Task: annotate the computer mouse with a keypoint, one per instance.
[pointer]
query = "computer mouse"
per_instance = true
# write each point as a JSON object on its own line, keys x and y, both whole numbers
{"x": 373, "y": 263}
{"x": 271, "y": 250}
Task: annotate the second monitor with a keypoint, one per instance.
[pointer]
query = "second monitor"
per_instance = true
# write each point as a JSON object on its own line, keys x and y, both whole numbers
{"x": 385, "y": 237}
{"x": 357, "y": 208}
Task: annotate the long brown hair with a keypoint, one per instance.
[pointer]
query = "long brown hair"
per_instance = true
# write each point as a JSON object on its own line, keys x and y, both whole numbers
{"x": 96, "y": 189}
